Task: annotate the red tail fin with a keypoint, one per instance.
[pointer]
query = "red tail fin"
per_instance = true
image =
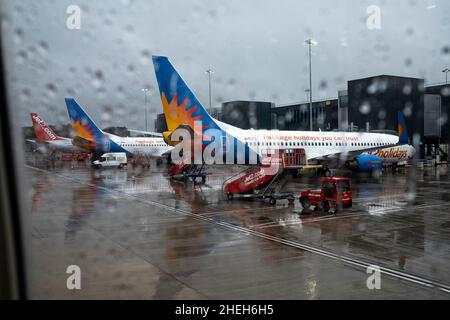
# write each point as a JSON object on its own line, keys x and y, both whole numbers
{"x": 42, "y": 130}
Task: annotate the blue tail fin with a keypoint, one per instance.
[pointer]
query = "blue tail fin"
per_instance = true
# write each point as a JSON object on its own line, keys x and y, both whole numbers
{"x": 402, "y": 131}
{"x": 81, "y": 122}
{"x": 180, "y": 105}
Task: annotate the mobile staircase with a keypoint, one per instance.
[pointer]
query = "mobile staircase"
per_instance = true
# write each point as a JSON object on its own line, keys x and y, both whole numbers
{"x": 266, "y": 180}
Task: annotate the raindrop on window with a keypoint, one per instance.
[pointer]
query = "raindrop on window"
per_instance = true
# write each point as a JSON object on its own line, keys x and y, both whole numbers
{"x": 51, "y": 90}
{"x": 407, "y": 89}
{"x": 97, "y": 80}
{"x": 407, "y": 110}
{"x": 18, "y": 35}
{"x": 42, "y": 48}
{"x": 145, "y": 57}
{"x": 408, "y": 62}
{"x": 21, "y": 57}
{"x": 129, "y": 28}
{"x": 382, "y": 114}
{"x": 364, "y": 108}
{"x": 445, "y": 50}
{"x": 445, "y": 91}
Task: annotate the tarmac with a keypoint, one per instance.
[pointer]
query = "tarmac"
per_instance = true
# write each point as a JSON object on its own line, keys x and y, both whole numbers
{"x": 137, "y": 234}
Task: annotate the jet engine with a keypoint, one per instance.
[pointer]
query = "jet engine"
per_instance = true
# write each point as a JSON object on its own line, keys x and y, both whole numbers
{"x": 365, "y": 163}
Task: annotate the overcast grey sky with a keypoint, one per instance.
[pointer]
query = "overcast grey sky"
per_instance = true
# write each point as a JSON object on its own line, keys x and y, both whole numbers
{"x": 256, "y": 49}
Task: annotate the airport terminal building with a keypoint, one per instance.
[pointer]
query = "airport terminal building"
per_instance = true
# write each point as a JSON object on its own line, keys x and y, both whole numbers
{"x": 296, "y": 116}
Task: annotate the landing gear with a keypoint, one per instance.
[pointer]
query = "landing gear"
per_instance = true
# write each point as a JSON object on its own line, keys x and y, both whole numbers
{"x": 305, "y": 203}
{"x": 325, "y": 206}
{"x": 394, "y": 168}
{"x": 230, "y": 196}
{"x": 377, "y": 173}
{"x": 324, "y": 172}
{"x": 272, "y": 201}
{"x": 337, "y": 207}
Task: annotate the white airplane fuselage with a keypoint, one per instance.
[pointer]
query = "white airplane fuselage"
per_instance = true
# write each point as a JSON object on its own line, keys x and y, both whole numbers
{"x": 395, "y": 154}
{"x": 63, "y": 145}
{"x": 316, "y": 144}
{"x": 153, "y": 147}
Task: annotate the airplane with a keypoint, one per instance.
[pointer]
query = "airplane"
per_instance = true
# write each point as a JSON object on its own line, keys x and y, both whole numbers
{"x": 182, "y": 110}
{"x": 90, "y": 137}
{"x": 372, "y": 161}
{"x": 45, "y": 135}
{"x": 395, "y": 156}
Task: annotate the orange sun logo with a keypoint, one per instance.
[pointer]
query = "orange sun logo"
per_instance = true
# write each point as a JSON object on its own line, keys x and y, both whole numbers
{"x": 83, "y": 130}
{"x": 177, "y": 115}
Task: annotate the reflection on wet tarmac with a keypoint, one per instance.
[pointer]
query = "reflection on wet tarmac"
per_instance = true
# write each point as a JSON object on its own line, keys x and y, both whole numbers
{"x": 128, "y": 219}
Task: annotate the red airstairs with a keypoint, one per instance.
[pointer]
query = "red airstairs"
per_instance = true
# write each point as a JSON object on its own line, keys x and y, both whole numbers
{"x": 265, "y": 181}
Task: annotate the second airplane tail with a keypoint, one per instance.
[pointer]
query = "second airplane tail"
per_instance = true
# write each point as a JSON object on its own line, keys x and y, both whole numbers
{"x": 82, "y": 124}
{"x": 401, "y": 128}
{"x": 42, "y": 131}
{"x": 180, "y": 105}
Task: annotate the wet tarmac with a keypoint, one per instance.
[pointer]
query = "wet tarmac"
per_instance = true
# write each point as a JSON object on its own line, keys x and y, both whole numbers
{"x": 137, "y": 234}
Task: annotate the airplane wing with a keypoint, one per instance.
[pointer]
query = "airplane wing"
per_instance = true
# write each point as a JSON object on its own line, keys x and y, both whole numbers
{"x": 110, "y": 135}
{"x": 150, "y": 133}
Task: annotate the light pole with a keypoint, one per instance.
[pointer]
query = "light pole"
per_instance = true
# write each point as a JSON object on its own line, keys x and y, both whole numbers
{"x": 145, "y": 90}
{"x": 446, "y": 70}
{"x": 209, "y": 71}
{"x": 307, "y": 94}
{"x": 310, "y": 42}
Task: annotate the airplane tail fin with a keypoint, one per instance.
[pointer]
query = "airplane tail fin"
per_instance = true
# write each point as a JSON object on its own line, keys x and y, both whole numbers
{"x": 402, "y": 130}
{"x": 82, "y": 124}
{"x": 180, "y": 105}
{"x": 42, "y": 131}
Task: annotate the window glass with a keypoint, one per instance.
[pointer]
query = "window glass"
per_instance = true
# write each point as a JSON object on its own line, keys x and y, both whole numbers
{"x": 84, "y": 79}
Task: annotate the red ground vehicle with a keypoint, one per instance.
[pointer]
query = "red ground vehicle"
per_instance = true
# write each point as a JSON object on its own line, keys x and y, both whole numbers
{"x": 335, "y": 193}
{"x": 66, "y": 156}
{"x": 83, "y": 155}
{"x": 75, "y": 156}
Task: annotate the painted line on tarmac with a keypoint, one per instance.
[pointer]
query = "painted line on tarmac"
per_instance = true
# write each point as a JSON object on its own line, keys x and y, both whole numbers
{"x": 291, "y": 222}
{"x": 303, "y": 246}
{"x": 304, "y": 220}
{"x": 336, "y": 217}
{"x": 251, "y": 210}
{"x": 418, "y": 207}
